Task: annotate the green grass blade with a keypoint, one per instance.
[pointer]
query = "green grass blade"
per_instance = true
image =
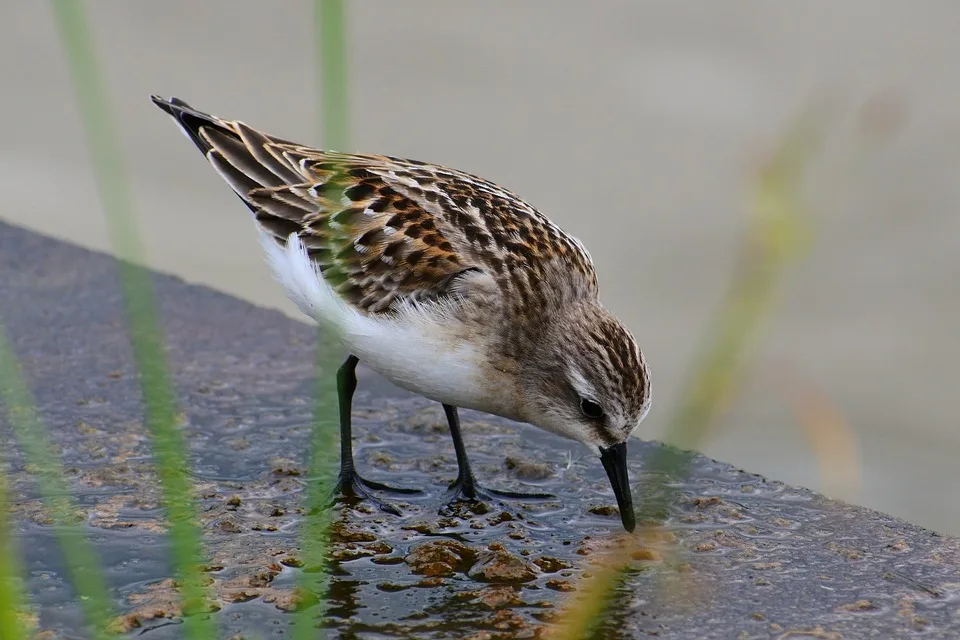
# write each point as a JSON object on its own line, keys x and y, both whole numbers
{"x": 315, "y": 527}
{"x": 83, "y": 564}
{"x": 330, "y": 43}
{"x": 331, "y": 51}
{"x": 142, "y": 314}
{"x": 11, "y": 595}
{"x": 776, "y": 238}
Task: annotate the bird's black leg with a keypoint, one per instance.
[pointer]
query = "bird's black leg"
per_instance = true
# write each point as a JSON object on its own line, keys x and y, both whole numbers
{"x": 465, "y": 487}
{"x": 349, "y": 482}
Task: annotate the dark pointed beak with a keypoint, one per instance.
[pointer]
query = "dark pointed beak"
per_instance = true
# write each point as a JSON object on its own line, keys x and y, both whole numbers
{"x": 614, "y": 461}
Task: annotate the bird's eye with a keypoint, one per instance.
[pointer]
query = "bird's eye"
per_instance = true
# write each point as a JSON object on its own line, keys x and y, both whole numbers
{"x": 591, "y": 409}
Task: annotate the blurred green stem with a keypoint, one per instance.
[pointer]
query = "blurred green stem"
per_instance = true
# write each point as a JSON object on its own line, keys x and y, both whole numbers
{"x": 11, "y": 597}
{"x": 779, "y": 234}
{"x": 31, "y": 434}
{"x": 330, "y": 42}
{"x": 331, "y": 51}
{"x": 142, "y": 312}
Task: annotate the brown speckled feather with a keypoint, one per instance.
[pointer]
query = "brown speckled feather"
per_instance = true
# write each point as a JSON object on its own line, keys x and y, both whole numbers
{"x": 382, "y": 229}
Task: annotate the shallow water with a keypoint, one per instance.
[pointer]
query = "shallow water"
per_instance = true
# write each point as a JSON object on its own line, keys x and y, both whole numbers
{"x": 738, "y": 552}
{"x": 436, "y": 572}
{"x": 249, "y": 470}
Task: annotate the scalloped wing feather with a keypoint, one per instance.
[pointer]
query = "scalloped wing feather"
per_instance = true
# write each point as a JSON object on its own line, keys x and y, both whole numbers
{"x": 382, "y": 230}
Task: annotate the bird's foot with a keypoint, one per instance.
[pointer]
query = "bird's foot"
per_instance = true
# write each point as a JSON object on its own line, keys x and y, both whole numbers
{"x": 352, "y": 488}
{"x": 469, "y": 490}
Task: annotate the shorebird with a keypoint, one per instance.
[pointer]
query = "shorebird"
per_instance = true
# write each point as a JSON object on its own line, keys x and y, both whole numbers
{"x": 447, "y": 284}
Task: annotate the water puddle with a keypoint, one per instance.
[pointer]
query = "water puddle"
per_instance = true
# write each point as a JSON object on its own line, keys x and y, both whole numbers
{"x": 493, "y": 570}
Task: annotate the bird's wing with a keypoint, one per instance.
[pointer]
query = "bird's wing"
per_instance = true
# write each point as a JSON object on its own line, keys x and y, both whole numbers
{"x": 382, "y": 229}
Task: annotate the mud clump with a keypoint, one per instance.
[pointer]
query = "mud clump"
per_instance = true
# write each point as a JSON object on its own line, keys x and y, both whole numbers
{"x": 499, "y": 565}
{"x": 528, "y": 469}
{"x": 340, "y": 532}
{"x": 560, "y": 585}
{"x": 161, "y": 601}
{"x": 227, "y": 526}
{"x": 441, "y": 558}
{"x": 286, "y": 467}
{"x": 287, "y": 599}
{"x": 495, "y": 597}
{"x": 257, "y": 579}
{"x": 549, "y": 564}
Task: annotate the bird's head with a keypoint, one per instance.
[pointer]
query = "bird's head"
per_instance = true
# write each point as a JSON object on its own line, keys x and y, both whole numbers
{"x": 587, "y": 380}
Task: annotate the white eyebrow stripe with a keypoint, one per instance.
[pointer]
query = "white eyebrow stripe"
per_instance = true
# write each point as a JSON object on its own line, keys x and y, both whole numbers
{"x": 580, "y": 383}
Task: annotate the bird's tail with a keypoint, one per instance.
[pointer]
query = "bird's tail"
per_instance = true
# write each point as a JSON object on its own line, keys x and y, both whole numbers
{"x": 246, "y": 158}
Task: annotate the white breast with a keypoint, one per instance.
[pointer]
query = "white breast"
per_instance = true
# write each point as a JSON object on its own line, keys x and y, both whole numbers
{"x": 415, "y": 349}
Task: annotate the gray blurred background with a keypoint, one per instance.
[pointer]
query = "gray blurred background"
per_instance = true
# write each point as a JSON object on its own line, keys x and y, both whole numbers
{"x": 636, "y": 125}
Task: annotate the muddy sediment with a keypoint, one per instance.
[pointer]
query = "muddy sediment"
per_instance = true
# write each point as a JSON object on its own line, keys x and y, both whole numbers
{"x": 738, "y": 557}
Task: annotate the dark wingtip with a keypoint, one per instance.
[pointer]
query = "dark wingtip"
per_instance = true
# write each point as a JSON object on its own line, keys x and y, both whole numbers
{"x": 173, "y": 106}
{"x": 167, "y": 106}
{"x": 188, "y": 118}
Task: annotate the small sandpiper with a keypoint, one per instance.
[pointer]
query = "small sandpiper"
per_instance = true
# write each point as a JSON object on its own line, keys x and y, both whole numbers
{"x": 446, "y": 284}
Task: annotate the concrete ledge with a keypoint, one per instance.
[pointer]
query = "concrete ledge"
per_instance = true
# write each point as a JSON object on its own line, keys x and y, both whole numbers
{"x": 758, "y": 559}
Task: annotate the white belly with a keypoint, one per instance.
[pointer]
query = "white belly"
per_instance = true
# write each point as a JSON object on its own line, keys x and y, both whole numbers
{"x": 427, "y": 360}
{"x": 414, "y": 349}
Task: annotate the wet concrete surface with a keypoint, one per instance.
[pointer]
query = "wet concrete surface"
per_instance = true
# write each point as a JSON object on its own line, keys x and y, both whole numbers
{"x": 740, "y": 556}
